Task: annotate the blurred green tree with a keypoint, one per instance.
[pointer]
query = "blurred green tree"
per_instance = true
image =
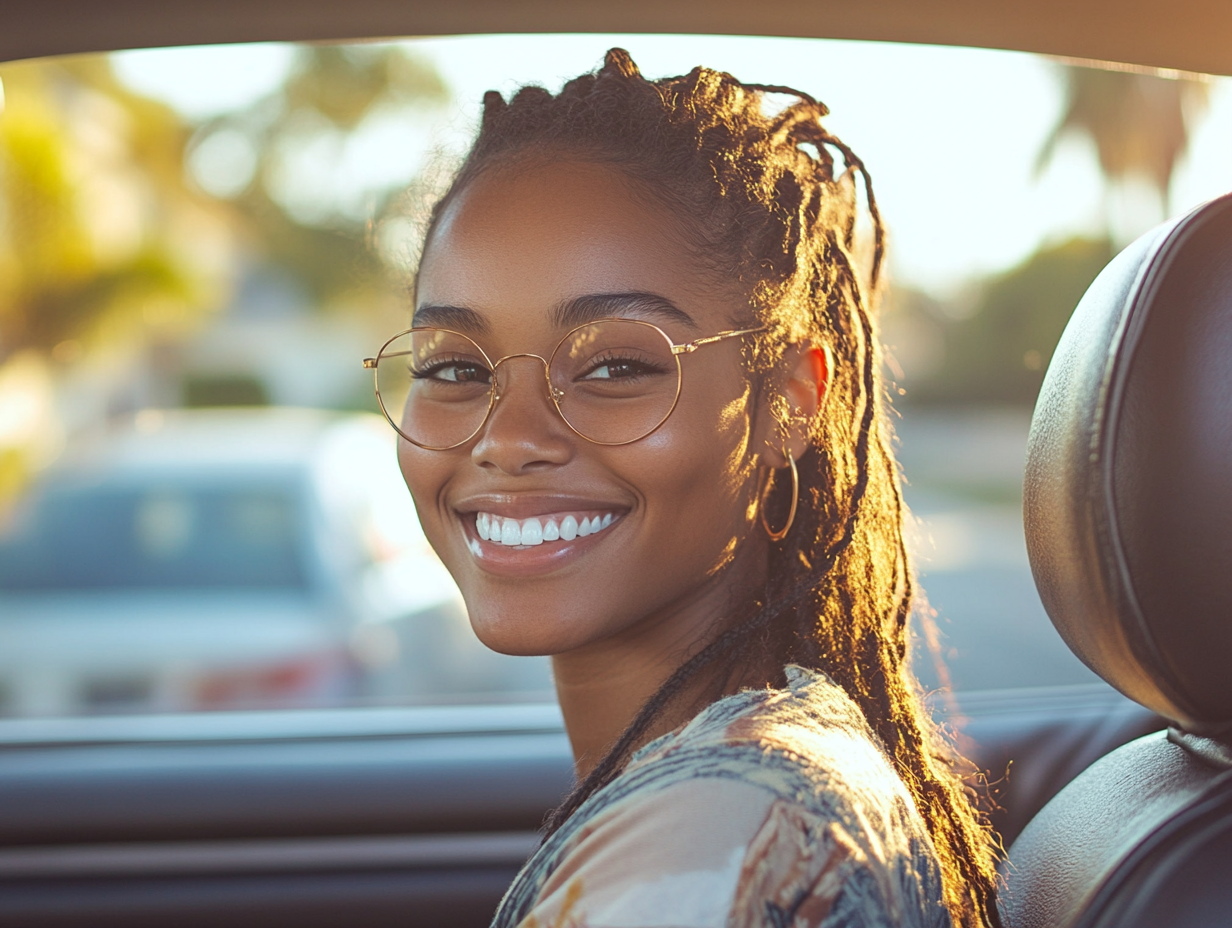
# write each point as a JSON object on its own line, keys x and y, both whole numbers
{"x": 109, "y": 239}
{"x": 996, "y": 351}
{"x": 994, "y": 347}
{"x": 97, "y": 224}
{"x": 292, "y": 148}
{"x": 93, "y": 210}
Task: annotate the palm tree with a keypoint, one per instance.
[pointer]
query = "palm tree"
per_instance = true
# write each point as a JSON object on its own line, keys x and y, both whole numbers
{"x": 1138, "y": 123}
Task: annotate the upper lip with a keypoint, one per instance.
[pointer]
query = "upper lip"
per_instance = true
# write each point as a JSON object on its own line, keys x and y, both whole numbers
{"x": 529, "y": 505}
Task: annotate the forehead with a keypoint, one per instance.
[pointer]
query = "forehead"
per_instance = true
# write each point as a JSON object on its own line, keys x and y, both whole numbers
{"x": 522, "y": 240}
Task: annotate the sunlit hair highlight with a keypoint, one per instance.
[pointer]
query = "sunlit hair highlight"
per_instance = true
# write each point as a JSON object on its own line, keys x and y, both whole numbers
{"x": 771, "y": 200}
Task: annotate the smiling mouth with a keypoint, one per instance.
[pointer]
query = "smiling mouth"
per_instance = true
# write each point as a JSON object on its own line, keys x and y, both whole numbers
{"x": 538, "y": 530}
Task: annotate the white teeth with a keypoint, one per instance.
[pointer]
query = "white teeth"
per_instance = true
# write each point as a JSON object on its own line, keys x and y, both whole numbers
{"x": 536, "y": 531}
{"x": 532, "y": 532}
{"x": 511, "y": 533}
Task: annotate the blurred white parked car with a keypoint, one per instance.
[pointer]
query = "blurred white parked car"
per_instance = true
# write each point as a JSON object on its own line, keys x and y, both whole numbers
{"x": 221, "y": 559}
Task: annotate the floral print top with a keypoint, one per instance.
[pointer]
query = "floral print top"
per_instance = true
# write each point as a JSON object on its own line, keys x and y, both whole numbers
{"x": 774, "y": 808}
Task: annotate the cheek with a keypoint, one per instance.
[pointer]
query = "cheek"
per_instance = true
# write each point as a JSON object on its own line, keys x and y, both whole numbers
{"x": 697, "y": 476}
{"x": 426, "y": 473}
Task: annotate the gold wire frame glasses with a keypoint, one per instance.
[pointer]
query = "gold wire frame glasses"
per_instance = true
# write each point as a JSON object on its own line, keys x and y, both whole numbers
{"x": 613, "y": 381}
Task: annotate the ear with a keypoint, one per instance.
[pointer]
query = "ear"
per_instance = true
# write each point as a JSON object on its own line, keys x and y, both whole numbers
{"x": 809, "y": 368}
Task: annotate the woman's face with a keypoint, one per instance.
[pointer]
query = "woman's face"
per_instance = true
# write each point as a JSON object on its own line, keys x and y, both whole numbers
{"x": 510, "y": 252}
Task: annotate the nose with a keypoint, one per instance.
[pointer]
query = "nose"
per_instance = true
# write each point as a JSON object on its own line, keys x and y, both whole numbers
{"x": 524, "y": 432}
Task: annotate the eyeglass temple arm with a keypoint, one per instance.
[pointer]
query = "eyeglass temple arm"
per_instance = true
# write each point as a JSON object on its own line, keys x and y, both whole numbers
{"x": 690, "y": 347}
{"x": 687, "y": 348}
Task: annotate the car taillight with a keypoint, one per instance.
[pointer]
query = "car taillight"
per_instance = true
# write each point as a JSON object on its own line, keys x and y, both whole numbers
{"x": 314, "y": 680}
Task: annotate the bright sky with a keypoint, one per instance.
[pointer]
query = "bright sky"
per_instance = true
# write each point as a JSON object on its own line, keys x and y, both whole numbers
{"x": 950, "y": 136}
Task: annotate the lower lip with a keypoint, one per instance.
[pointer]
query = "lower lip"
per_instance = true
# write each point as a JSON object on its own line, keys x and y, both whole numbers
{"x": 531, "y": 560}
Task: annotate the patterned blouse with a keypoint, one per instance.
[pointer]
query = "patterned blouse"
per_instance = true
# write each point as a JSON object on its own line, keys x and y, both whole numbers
{"x": 771, "y": 808}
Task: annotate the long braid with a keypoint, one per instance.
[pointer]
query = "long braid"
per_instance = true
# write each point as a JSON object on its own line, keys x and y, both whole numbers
{"x": 771, "y": 208}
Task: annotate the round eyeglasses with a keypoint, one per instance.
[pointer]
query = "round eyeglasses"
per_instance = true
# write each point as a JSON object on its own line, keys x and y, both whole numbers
{"x": 613, "y": 381}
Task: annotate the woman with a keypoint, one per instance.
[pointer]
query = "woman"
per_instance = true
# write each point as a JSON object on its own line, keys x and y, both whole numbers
{"x": 643, "y": 425}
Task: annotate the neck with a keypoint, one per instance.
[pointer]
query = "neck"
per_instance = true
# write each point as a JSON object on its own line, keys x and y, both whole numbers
{"x": 602, "y": 686}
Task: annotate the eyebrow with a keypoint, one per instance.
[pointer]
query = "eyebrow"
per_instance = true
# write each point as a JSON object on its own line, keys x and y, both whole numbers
{"x": 637, "y": 304}
{"x": 567, "y": 314}
{"x": 450, "y": 317}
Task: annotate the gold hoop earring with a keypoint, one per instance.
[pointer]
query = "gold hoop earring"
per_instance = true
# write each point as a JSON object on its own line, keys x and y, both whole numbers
{"x": 795, "y": 498}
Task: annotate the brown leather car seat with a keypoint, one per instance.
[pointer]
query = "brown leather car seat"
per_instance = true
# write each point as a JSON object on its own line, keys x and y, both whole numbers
{"x": 1128, "y": 510}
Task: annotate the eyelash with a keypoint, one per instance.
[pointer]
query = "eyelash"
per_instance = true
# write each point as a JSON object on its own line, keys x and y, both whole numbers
{"x": 609, "y": 359}
{"x": 429, "y": 371}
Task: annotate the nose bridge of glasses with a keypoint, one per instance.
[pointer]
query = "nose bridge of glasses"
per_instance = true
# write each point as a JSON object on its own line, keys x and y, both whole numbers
{"x": 501, "y": 388}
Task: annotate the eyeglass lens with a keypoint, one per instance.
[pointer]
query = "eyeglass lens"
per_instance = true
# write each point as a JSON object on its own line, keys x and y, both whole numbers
{"x": 615, "y": 381}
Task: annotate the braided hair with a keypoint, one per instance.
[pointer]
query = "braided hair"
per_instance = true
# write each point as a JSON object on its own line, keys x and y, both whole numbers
{"x": 769, "y": 206}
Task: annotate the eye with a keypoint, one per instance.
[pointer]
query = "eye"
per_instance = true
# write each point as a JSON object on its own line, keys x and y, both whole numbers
{"x": 452, "y": 370}
{"x": 618, "y": 367}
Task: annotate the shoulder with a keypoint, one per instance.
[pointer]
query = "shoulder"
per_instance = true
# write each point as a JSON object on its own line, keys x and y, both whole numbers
{"x": 806, "y": 744}
{"x": 807, "y": 741}
{"x": 772, "y": 807}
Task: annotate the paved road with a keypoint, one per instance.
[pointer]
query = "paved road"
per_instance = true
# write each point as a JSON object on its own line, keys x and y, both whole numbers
{"x": 964, "y": 474}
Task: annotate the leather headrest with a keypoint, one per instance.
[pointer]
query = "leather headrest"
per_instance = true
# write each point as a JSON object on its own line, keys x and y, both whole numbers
{"x": 1128, "y": 493}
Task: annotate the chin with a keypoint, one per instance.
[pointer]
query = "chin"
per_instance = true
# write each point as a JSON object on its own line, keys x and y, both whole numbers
{"x": 518, "y": 632}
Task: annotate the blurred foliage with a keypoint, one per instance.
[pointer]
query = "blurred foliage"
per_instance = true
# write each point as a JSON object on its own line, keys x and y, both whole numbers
{"x": 114, "y": 253}
{"x": 201, "y": 390}
{"x": 992, "y": 344}
{"x": 332, "y": 91}
{"x": 100, "y": 231}
{"x": 346, "y": 83}
{"x": 993, "y": 347}
{"x": 1139, "y": 123}
{"x": 93, "y": 211}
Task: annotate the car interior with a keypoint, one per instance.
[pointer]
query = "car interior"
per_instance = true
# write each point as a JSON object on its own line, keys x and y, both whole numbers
{"x": 1119, "y": 807}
